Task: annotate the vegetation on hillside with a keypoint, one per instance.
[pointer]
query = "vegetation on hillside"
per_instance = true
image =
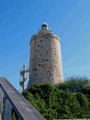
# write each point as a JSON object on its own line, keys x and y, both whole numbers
{"x": 70, "y": 99}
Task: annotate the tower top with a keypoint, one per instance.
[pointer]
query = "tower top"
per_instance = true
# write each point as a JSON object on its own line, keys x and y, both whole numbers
{"x": 44, "y": 26}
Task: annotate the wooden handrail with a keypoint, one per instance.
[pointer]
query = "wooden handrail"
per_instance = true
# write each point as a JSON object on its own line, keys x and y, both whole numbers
{"x": 22, "y": 107}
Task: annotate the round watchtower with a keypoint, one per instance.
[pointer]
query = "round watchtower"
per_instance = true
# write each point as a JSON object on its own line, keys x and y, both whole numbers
{"x": 45, "y": 57}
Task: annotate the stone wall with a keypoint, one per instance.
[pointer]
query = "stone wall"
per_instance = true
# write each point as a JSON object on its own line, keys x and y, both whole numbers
{"x": 45, "y": 58}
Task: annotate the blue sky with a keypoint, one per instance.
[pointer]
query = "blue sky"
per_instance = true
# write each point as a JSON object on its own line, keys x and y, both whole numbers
{"x": 20, "y": 19}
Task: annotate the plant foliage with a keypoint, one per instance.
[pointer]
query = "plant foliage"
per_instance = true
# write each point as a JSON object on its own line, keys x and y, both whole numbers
{"x": 64, "y": 101}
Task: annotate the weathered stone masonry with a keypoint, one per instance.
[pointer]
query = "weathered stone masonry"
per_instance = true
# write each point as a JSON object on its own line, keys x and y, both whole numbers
{"x": 45, "y": 58}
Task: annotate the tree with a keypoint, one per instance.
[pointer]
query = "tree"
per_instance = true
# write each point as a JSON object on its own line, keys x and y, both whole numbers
{"x": 63, "y": 101}
{"x": 73, "y": 84}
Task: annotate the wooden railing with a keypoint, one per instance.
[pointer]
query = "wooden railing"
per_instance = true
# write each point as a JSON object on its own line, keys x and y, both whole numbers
{"x": 11, "y": 99}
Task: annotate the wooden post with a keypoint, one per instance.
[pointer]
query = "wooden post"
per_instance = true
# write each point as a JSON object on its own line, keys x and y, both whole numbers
{"x": 7, "y": 110}
{"x": 1, "y": 102}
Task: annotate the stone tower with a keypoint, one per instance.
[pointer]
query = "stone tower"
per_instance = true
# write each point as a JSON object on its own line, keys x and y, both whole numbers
{"x": 45, "y": 57}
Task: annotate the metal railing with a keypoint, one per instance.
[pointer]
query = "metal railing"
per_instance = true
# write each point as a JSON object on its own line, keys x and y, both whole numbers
{"x": 11, "y": 99}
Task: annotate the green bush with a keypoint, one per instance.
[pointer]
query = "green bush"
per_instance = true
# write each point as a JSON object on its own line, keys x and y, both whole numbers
{"x": 74, "y": 84}
{"x": 64, "y": 101}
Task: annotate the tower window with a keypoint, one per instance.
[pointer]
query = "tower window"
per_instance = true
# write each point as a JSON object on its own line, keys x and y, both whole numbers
{"x": 39, "y": 65}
